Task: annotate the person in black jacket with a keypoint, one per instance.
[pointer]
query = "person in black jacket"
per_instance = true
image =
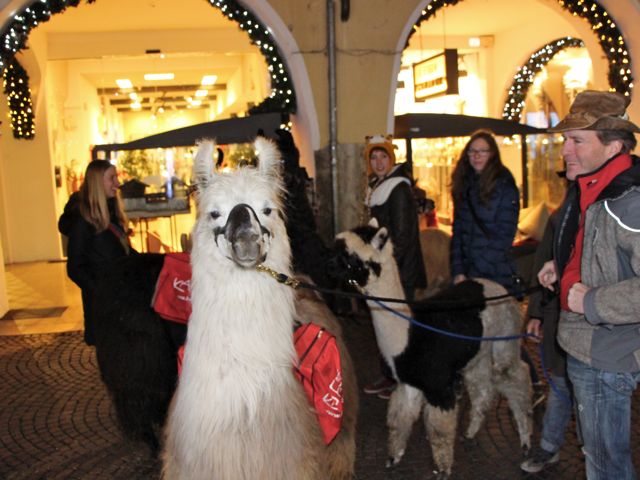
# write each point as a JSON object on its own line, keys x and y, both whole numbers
{"x": 391, "y": 202}
{"x": 486, "y": 207}
{"x": 95, "y": 223}
{"x": 544, "y": 312}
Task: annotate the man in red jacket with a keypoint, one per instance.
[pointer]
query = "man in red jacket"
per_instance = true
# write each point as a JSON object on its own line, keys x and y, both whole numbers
{"x": 596, "y": 262}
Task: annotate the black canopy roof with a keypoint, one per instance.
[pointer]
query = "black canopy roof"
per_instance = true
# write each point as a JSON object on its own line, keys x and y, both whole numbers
{"x": 233, "y": 130}
{"x": 433, "y": 125}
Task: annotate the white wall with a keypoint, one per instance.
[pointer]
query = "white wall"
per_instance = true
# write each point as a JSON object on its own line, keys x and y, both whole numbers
{"x": 4, "y": 299}
{"x": 627, "y": 16}
{"x": 140, "y": 124}
{"x": 29, "y": 205}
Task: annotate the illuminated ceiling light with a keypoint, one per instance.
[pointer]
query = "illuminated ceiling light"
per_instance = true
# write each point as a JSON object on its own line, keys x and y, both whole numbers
{"x": 159, "y": 76}
{"x": 133, "y": 96}
{"x": 474, "y": 42}
{"x": 124, "y": 83}
{"x": 196, "y": 103}
{"x": 209, "y": 79}
{"x": 136, "y": 105}
{"x": 201, "y": 93}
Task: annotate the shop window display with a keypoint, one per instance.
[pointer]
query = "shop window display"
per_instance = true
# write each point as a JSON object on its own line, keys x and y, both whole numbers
{"x": 434, "y": 160}
{"x": 156, "y": 182}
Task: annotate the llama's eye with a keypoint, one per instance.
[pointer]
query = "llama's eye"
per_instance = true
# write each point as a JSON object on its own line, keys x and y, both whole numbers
{"x": 266, "y": 211}
{"x": 215, "y": 214}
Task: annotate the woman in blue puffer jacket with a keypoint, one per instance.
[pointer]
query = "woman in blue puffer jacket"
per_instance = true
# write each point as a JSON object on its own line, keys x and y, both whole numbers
{"x": 486, "y": 206}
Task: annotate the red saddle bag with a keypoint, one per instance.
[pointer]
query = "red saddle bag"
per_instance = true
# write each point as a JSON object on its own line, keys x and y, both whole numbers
{"x": 172, "y": 298}
{"x": 320, "y": 373}
{"x": 318, "y": 367}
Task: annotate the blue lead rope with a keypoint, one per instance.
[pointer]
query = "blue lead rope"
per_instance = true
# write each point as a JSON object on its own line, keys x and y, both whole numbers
{"x": 413, "y": 321}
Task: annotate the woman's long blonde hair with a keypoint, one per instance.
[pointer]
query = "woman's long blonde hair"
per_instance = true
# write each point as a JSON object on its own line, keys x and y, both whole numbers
{"x": 93, "y": 199}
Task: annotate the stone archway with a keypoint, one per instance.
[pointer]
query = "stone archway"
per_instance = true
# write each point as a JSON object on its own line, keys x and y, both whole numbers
{"x": 39, "y": 239}
{"x": 598, "y": 20}
{"x": 261, "y": 23}
{"x": 523, "y": 79}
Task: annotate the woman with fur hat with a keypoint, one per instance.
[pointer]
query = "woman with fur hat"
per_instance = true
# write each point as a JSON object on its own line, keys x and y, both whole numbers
{"x": 390, "y": 201}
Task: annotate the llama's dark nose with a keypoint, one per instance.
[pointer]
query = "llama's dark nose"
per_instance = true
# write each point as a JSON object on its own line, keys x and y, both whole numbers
{"x": 246, "y": 248}
{"x": 243, "y": 233}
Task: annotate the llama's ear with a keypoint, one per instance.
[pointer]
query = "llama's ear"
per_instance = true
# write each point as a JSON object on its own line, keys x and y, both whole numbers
{"x": 379, "y": 240}
{"x": 268, "y": 157}
{"x": 203, "y": 163}
{"x": 374, "y": 222}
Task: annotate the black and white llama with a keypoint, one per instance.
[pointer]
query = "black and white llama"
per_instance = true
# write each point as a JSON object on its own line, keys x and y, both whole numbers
{"x": 238, "y": 412}
{"x": 430, "y": 368}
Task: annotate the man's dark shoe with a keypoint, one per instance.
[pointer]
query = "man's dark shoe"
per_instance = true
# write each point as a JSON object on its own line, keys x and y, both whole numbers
{"x": 539, "y": 460}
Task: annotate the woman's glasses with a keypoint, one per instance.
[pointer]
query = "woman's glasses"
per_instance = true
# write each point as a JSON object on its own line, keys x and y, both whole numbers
{"x": 472, "y": 152}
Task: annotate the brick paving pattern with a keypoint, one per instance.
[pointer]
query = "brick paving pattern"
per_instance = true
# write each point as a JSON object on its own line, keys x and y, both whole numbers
{"x": 57, "y": 422}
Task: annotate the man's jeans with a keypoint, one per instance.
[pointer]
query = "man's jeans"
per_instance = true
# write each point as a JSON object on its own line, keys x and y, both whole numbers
{"x": 556, "y": 415}
{"x": 603, "y": 402}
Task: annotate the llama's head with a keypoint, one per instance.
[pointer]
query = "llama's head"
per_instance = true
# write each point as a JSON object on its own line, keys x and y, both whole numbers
{"x": 361, "y": 254}
{"x": 240, "y": 217}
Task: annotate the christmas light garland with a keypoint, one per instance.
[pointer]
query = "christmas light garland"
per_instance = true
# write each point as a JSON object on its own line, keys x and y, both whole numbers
{"x": 16, "y": 81}
{"x": 16, "y": 87}
{"x": 282, "y": 98}
{"x": 524, "y": 77}
{"x": 602, "y": 25}
{"x": 14, "y": 37}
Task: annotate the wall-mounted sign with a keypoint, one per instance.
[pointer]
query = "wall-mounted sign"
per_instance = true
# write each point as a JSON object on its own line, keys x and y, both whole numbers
{"x": 437, "y": 75}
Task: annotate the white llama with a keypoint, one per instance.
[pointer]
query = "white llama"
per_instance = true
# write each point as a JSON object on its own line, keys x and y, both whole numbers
{"x": 430, "y": 368}
{"x": 238, "y": 412}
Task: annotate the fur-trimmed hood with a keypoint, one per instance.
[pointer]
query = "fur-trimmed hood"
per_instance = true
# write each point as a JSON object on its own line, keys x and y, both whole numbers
{"x": 379, "y": 190}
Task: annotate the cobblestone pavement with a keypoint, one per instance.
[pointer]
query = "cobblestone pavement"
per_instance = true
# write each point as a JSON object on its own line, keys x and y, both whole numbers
{"x": 56, "y": 422}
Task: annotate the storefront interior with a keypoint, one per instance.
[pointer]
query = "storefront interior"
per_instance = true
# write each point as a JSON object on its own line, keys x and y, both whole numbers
{"x": 100, "y": 77}
{"x": 567, "y": 70}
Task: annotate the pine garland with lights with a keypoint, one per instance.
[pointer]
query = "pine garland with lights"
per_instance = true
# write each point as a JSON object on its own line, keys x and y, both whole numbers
{"x": 14, "y": 38}
{"x": 282, "y": 98}
{"x": 524, "y": 77}
{"x": 16, "y": 87}
{"x": 610, "y": 39}
{"x": 16, "y": 81}
{"x": 602, "y": 24}
{"x": 429, "y": 11}
{"x": 15, "y": 34}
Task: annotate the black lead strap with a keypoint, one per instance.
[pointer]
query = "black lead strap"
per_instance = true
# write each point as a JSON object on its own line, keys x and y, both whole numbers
{"x": 432, "y": 305}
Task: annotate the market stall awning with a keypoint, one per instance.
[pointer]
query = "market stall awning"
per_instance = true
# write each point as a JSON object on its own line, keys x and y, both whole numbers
{"x": 434, "y": 125}
{"x": 233, "y": 130}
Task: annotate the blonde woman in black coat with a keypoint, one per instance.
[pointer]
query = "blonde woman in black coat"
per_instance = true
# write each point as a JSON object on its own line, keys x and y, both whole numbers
{"x": 97, "y": 230}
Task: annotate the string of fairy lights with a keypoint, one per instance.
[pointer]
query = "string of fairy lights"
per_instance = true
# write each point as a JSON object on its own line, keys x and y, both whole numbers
{"x": 282, "y": 98}
{"x": 14, "y": 38}
{"x": 16, "y": 87}
{"x": 604, "y": 27}
{"x": 15, "y": 78}
{"x": 524, "y": 77}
